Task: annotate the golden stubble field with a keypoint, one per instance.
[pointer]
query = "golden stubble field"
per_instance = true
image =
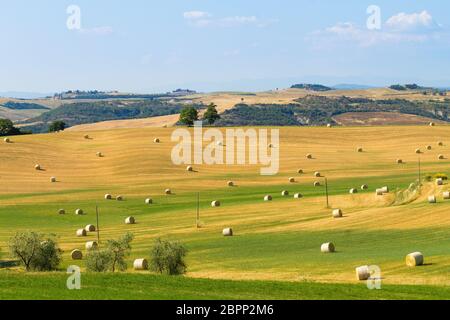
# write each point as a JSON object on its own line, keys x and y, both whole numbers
{"x": 136, "y": 167}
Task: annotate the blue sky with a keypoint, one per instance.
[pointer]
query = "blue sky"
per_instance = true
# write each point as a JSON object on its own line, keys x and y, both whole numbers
{"x": 153, "y": 46}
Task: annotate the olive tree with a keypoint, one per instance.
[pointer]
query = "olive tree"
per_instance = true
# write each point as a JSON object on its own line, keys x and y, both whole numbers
{"x": 35, "y": 252}
{"x": 167, "y": 257}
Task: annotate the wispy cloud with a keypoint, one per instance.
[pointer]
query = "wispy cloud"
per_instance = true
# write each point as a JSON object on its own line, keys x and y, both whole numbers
{"x": 97, "y": 31}
{"x": 204, "y": 19}
{"x": 415, "y": 27}
{"x": 412, "y": 22}
{"x": 193, "y": 15}
{"x": 232, "y": 53}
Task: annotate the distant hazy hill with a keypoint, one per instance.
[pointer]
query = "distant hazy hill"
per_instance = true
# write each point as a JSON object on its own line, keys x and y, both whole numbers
{"x": 311, "y": 87}
{"x": 97, "y": 111}
{"x": 24, "y": 95}
{"x": 319, "y": 110}
{"x": 349, "y": 86}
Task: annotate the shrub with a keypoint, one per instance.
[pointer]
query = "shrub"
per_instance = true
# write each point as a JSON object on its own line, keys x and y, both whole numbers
{"x": 34, "y": 252}
{"x": 98, "y": 260}
{"x": 442, "y": 176}
{"x": 168, "y": 257}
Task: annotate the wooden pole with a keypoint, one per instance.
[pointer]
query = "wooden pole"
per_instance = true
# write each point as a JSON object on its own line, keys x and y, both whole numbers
{"x": 98, "y": 229}
{"x": 198, "y": 210}
{"x": 420, "y": 173}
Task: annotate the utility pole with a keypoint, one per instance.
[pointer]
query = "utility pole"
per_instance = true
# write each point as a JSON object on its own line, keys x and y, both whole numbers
{"x": 420, "y": 174}
{"x": 198, "y": 210}
{"x": 98, "y": 229}
{"x": 326, "y": 192}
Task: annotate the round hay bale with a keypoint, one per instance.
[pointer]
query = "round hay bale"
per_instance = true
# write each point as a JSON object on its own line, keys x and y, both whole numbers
{"x": 140, "y": 264}
{"x": 364, "y": 187}
{"x": 439, "y": 182}
{"x": 119, "y": 198}
{"x": 327, "y": 248}
{"x": 362, "y": 273}
{"x": 270, "y": 145}
{"x": 228, "y": 232}
{"x": 399, "y": 161}
{"x": 441, "y": 157}
{"x": 76, "y": 255}
{"x": 385, "y": 189}
{"x": 268, "y": 198}
{"x": 168, "y": 191}
{"x": 300, "y": 171}
{"x": 81, "y": 233}
{"x": 148, "y": 201}
{"x": 130, "y": 220}
{"x": 429, "y": 147}
{"x": 432, "y": 124}
{"x": 379, "y": 192}
{"x": 418, "y": 151}
{"x": 79, "y": 212}
{"x": 215, "y": 204}
{"x": 99, "y": 154}
{"x": 108, "y": 197}
{"x": 230, "y": 183}
{"x": 360, "y": 149}
{"x": 446, "y": 195}
{"x": 432, "y": 199}
{"x": 329, "y": 125}
{"x": 298, "y": 196}
{"x": 337, "y": 213}
{"x": 91, "y": 245}
{"x": 86, "y": 136}
{"x": 90, "y": 228}
{"x": 37, "y": 167}
{"x": 61, "y": 211}
{"x": 220, "y": 143}
{"x": 285, "y": 193}
{"x": 309, "y": 156}
{"x": 190, "y": 169}
{"x": 317, "y": 174}
{"x": 7, "y": 140}
{"x": 353, "y": 191}
{"x": 316, "y": 184}
{"x": 291, "y": 179}
{"x": 440, "y": 144}
{"x": 414, "y": 259}
{"x": 52, "y": 179}
{"x": 157, "y": 140}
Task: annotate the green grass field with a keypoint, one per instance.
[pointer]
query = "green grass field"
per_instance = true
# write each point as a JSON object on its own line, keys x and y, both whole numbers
{"x": 143, "y": 287}
{"x": 276, "y": 247}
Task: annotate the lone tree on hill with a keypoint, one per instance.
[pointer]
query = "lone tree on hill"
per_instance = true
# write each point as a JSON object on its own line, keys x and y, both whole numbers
{"x": 57, "y": 126}
{"x": 211, "y": 115}
{"x": 188, "y": 116}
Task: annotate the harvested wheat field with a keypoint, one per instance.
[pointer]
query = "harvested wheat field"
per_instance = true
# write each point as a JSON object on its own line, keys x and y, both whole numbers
{"x": 278, "y": 240}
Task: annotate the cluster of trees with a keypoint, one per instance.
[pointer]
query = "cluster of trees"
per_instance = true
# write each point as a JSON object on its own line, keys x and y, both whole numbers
{"x": 23, "y": 106}
{"x": 7, "y": 128}
{"x": 312, "y": 87}
{"x": 56, "y": 126}
{"x": 37, "y": 252}
{"x": 189, "y": 115}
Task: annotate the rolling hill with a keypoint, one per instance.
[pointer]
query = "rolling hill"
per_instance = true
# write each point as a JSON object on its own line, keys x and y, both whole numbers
{"x": 274, "y": 241}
